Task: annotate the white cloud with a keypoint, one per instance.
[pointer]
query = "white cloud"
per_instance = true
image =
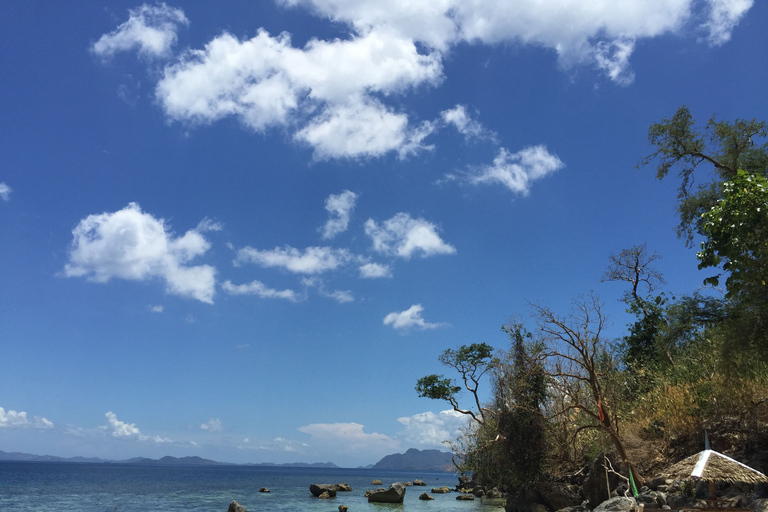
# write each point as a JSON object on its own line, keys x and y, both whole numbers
{"x": 430, "y": 430}
{"x": 213, "y": 425}
{"x": 350, "y": 436}
{"x": 123, "y": 430}
{"x": 18, "y": 419}
{"x": 314, "y": 260}
{"x": 409, "y": 319}
{"x": 156, "y": 309}
{"x": 723, "y": 18}
{"x": 517, "y": 171}
{"x": 460, "y": 119}
{"x": 260, "y": 290}
{"x": 150, "y": 28}
{"x": 613, "y": 59}
{"x": 133, "y": 245}
{"x": 5, "y": 191}
{"x": 340, "y": 207}
{"x": 405, "y": 236}
{"x": 375, "y": 271}
{"x": 572, "y": 29}
{"x": 340, "y": 296}
{"x": 120, "y": 428}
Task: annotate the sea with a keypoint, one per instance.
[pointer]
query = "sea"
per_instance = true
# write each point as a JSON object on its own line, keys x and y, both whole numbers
{"x": 104, "y": 487}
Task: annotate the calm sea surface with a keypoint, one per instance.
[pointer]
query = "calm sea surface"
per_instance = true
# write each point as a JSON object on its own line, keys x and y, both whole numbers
{"x": 65, "y": 487}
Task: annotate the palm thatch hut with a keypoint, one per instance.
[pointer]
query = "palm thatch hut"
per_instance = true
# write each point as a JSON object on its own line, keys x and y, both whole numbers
{"x": 714, "y": 467}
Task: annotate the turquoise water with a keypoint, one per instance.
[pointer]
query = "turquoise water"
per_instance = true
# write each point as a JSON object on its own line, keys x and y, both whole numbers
{"x": 62, "y": 487}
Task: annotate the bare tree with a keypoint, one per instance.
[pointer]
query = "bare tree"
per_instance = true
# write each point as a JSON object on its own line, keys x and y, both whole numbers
{"x": 580, "y": 367}
{"x": 633, "y": 266}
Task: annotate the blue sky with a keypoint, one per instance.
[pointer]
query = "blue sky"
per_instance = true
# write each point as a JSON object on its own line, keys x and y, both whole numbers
{"x": 243, "y": 232}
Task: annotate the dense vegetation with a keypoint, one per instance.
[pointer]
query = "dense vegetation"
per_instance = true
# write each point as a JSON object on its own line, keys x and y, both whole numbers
{"x": 563, "y": 392}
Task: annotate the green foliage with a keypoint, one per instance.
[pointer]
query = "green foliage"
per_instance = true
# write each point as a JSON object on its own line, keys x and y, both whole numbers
{"x": 725, "y": 146}
{"x": 737, "y": 236}
{"x": 436, "y": 387}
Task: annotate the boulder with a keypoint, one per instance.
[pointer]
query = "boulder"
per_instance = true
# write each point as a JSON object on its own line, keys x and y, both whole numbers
{"x": 760, "y": 505}
{"x": 343, "y": 487}
{"x": 441, "y": 490}
{"x": 236, "y": 507}
{"x": 594, "y": 487}
{"x": 494, "y": 494}
{"x": 554, "y": 495}
{"x": 419, "y": 482}
{"x": 620, "y": 504}
{"x": 408, "y": 484}
{"x": 369, "y": 491}
{"x": 325, "y": 495}
{"x": 263, "y": 489}
{"x": 343, "y": 508}
{"x": 395, "y": 494}
{"x": 317, "y": 490}
{"x": 465, "y": 497}
{"x": 376, "y": 482}
{"x": 425, "y": 496}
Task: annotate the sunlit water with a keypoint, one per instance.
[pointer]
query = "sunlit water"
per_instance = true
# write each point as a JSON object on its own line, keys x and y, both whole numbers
{"x": 60, "y": 487}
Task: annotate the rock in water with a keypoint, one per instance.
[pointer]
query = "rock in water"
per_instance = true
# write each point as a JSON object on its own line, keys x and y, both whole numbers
{"x": 425, "y": 496}
{"x": 395, "y": 494}
{"x": 419, "y": 482}
{"x": 263, "y": 489}
{"x": 376, "y": 482}
{"x": 318, "y": 489}
{"x": 236, "y": 507}
{"x": 465, "y": 497}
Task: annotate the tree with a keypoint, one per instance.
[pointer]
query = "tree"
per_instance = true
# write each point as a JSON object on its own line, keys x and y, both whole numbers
{"x": 471, "y": 362}
{"x": 737, "y": 236}
{"x": 727, "y": 147}
{"x": 580, "y": 369}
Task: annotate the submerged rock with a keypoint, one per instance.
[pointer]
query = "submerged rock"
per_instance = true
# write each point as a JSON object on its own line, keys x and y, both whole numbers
{"x": 376, "y": 482}
{"x": 419, "y": 482}
{"x": 465, "y": 497}
{"x": 263, "y": 489}
{"x": 425, "y": 496}
{"x": 395, "y": 494}
{"x": 441, "y": 490}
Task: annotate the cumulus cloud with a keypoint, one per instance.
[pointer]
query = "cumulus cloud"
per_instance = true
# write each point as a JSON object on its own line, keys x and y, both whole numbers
{"x": 375, "y": 271}
{"x": 260, "y": 290}
{"x": 350, "y": 436}
{"x": 340, "y": 207}
{"x": 409, "y": 319}
{"x": 133, "y": 245}
{"x": 18, "y": 419}
{"x": 5, "y": 191}
{"x": 430, "y": 430}
{"x": 404, "y": 236}
{"x": 517, "y": 171}
{"x": 151, "y": 29}
{"x": 572, "y": 29}
{"x": 123, "y": 430}
{"x": 212, "y": 425}
{"x": 313, "y": 260}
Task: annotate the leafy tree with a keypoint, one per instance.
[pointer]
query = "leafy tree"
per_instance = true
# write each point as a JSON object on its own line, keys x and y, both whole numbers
{"x": 727, "y": 147}
{"x": 737, "y": 236}
{"x": 471, "y": 362}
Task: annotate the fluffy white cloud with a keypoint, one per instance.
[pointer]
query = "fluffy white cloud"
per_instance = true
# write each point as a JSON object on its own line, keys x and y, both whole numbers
{"x": 314, "y": 260}
{"x": 461, "y": 120}
{"x": 18, "y": 419}
{"x": 326, "y": 88}
{"x": 340, "y": 296}
{"x": 351, "y": 436}
{"x": 375, "y": 271}
{"x": 260, "y": 290}
{"x": 125, "y": 430}
{"x": 213, "y": 425}
{"x": 572, "y": 29}
{"x": 150, "y": 28}
{"x": 340, "y": 207}
{"x": 430, "y": 430}
{"x": 517, "y": 171}
{"x": 405, "y": 236}
{"x": 723, "y": 17}
{"x": 5, "y": 191}
{"x": 156, "y": 309}
{"x": 409, "y": 319}
{"x": 133, "y": 245}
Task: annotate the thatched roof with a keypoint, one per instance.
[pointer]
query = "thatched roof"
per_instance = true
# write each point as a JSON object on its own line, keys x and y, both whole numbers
{"x": 714, "y": 466}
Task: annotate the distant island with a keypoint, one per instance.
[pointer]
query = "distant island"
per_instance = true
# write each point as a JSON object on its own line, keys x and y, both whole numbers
{"x": 417, "y": 460}
{"x": 411, "y": 460}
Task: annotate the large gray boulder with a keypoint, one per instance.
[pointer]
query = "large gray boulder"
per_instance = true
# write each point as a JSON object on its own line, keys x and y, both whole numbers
{"x": 395, "y": 494}
{"x": 318, "y": 489}
{"x": 619, "y": 504}
{"x": 236, "y": 507}
{"x": 554, "y": 495}
{"x": 594, "y": 487}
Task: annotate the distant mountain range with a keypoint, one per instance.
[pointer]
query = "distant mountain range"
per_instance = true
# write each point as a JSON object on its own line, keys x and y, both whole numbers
{"x": 413, "y": 459}
{"x": 143, "y": 461}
